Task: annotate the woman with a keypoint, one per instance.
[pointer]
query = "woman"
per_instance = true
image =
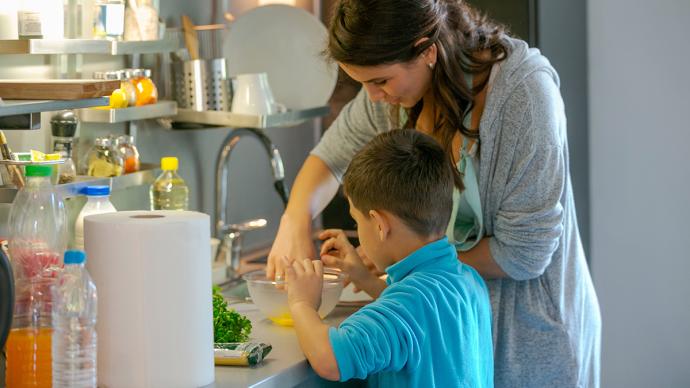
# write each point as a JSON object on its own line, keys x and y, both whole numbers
{"x": 494, "y": 105}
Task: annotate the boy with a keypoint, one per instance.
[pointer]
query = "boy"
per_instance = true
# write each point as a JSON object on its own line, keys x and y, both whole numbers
{"x": 430, "y": 322}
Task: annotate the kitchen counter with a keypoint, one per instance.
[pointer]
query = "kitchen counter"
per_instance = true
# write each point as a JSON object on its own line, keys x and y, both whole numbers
{"x": 286, "y": 365}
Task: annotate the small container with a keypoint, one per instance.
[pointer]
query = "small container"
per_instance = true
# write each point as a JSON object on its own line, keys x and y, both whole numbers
{"x": 109, "y": 19}
{"x": 126, "y": 85}
{"x": 146, "y": 91}
{"x": 130, "y": 154}
{"x": 64, "y": 126}
{"x": 102, "y": 161}
{"x": 29, "y": 20}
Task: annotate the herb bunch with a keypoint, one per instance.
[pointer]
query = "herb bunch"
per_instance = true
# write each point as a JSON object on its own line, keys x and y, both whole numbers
{"x": 228, "y": 324}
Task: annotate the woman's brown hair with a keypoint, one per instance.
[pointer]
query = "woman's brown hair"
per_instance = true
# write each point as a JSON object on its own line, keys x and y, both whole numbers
{"x": 377, "y": 32}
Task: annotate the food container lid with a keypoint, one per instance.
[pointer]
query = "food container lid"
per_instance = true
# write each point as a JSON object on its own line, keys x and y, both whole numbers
{"x": 64, "y": 124}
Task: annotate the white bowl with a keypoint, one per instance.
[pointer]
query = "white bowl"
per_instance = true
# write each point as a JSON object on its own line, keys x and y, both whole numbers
{"x": 271, "y": 296}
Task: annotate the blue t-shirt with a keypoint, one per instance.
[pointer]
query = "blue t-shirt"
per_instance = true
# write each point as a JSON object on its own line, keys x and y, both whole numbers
{"x": 430, "y": 327}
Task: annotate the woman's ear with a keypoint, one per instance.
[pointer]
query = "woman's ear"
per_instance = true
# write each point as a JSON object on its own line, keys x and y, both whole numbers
{"x": 430, "y": 54}
{"x": 382, "y": 224}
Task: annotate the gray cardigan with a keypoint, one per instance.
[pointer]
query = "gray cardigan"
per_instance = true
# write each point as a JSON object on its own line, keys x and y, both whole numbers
{"x": 546, "y": 319}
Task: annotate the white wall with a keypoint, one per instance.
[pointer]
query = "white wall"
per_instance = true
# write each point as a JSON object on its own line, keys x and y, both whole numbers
{"x": 639, "y": 61}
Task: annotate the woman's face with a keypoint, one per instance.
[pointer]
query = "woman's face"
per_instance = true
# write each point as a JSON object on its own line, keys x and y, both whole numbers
{"x": 401, "y": 84}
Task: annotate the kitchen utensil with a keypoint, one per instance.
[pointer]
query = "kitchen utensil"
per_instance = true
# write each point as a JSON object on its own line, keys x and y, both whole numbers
{"x": 56, "y": 89}
{"x": 190, "y": 37}
{"x": 286, "y": 43}
{"x": 202, "y": 85}
{"x": 155, "y": 319}
{"x": 253, "y": 96}
{"x": 270, "y": 296}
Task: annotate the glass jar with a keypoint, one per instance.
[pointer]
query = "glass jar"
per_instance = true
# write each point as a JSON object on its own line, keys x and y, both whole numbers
{"x": 101, "y": 160}
{"x": 146, "y": 90}
{"x": 64, "y": 126}
{"x": 125, "y": 144}
{"x": 126, "y": 85}
{"x": 109, "y": 19}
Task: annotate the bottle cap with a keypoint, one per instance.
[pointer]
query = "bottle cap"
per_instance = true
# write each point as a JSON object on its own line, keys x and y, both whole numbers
{"x": 97, "y": 191}
{"x": 75, "y": 257}
{"x": 39, "y": 170}
{"x": 169, "y": 163}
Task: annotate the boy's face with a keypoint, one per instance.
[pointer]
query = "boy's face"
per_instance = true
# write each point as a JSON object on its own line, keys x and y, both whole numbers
{"x": 369, "y": 237}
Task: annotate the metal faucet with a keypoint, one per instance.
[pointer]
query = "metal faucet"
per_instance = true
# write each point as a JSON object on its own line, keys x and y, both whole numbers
{"x": 231, "y": 234}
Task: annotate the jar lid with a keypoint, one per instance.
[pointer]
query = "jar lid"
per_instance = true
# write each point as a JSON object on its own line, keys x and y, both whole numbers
{"x": 139, "y": 73}
{"x": 109, "y": 75}
{"x": 64, "y": 124}
{"x": 103, "y": 141}
{"x": 125, "y": 139}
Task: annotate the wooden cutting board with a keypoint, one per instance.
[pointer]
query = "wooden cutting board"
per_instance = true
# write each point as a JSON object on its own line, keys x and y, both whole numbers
{"x": 56, "y": 89}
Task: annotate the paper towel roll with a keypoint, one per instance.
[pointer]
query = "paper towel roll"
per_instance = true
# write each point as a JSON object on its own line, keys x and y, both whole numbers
{"x": 155, "y": 317}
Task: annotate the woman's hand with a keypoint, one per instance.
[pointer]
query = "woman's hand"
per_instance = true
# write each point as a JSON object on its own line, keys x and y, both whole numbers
{"x": 293, "y": 242}
{"x": 337, "y": 252}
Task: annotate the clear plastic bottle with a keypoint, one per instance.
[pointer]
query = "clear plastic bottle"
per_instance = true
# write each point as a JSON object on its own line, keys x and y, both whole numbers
{"x": 102, "y": 161}
{"x": 97, "y": 202}
{"x": 169, "y": 192}
{"x": 38, "y": 236}
{"x": 74, "y": 339}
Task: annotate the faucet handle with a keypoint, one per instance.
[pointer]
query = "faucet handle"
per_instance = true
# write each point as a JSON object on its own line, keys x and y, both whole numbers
{"x": 244, "y": 226}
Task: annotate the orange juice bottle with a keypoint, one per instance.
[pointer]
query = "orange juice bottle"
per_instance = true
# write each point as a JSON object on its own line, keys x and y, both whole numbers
{"x": 28, "y": 347}
{"x": 38, "y": 236}
{"x": 28, "y": 358}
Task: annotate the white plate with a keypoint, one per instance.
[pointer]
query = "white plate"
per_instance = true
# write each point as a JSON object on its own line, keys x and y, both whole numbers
{"x": 286, "y": 43}
{"x": 349, "y": 297}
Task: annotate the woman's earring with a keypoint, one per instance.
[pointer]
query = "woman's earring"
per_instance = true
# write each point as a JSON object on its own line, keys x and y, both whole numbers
{"x": 431, "y": 66}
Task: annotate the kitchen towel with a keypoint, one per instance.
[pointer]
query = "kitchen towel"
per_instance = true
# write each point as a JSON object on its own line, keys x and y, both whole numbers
{"x": 155, "y": 320}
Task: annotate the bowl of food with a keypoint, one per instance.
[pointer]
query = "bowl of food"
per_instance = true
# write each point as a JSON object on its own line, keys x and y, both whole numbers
{"x": 270, "y": 296}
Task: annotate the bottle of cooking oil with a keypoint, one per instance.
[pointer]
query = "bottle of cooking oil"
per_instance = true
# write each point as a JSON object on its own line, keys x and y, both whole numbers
{"x": 169, "y": 192}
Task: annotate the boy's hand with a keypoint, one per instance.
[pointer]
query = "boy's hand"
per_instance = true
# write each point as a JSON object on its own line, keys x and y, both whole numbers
{"x": 304, "y": 282}
{"x": 337, "y": 252}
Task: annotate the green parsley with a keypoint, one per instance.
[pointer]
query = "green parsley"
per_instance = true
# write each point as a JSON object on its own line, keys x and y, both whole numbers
{"x": 228, "y": 324}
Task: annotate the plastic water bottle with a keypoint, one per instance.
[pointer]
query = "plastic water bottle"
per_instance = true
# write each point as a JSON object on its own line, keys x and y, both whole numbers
{"x": 97, "y": 202}
{"x": 74, "y": 325}
{"x": 169, "y": 192}
{"x": 38, "y": 236}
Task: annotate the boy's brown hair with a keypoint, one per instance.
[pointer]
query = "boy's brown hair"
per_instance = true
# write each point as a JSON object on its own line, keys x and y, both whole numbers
{"x": 406, "y": 173}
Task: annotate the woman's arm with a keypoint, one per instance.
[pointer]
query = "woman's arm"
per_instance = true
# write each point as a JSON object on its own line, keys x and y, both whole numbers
{"x": 314, "y": 188}
{"x": 481, "y": 260}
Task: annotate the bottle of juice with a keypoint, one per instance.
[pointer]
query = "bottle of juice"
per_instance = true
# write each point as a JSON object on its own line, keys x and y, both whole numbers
{"x": 169, "y": 191}
{"x": 38, "y": 237}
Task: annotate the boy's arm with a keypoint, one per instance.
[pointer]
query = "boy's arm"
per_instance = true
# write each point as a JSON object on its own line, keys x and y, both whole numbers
{"x": 304, "y": 283}
{"x": 337, "y": 252}
{"x": 372, "y": 285}
{"x": 313, "y": 339}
